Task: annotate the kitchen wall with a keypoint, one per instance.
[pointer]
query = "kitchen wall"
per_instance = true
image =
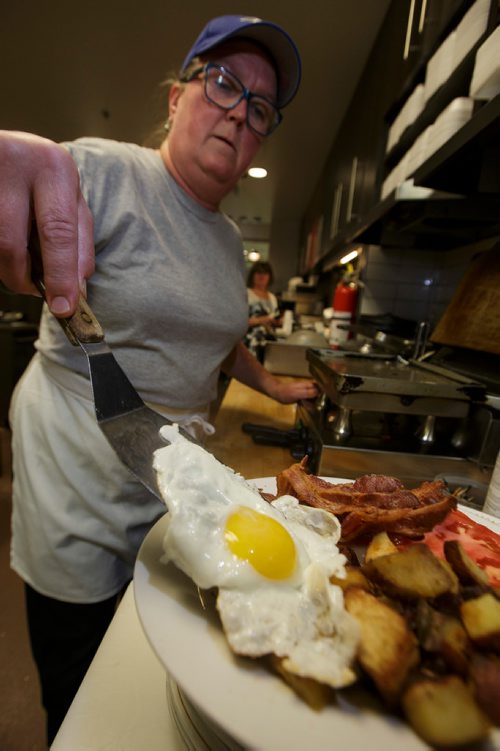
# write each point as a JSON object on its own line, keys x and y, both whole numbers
{"x": 416, "y": 285}
{"x": 283, "y": 252}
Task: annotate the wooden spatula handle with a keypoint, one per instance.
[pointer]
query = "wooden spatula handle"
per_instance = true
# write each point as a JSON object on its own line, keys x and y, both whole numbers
{"x": 82, "y": 326}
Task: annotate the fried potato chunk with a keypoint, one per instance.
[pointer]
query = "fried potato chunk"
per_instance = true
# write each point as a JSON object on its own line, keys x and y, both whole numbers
{"x": 442, "y": 634}
{"x": 443, "y": 712}
{"x": 481, "y": 618}
{"x": 455, "y": 645}
{"x": 316, "y": 695}
{"x": 410, "y": 574}
{"x": 464, "y": 567}
{"x": 388, "y": 649}
{"x": 484, "y": 676}
{"x": 381, "y": 544}
{"x": 455, "y": 581}
{"x": 354, "y": 578}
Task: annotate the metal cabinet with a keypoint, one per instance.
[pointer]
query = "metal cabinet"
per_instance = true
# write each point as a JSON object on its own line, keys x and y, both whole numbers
{"x": 349, "y": 194}
{"x": 351, "y": 178}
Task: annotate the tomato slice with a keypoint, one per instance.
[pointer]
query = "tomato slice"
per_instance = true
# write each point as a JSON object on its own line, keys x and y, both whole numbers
{"x": 480, "y": 543}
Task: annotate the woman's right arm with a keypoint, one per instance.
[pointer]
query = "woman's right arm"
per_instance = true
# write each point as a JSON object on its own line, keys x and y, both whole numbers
{"x": 39, "y": 181}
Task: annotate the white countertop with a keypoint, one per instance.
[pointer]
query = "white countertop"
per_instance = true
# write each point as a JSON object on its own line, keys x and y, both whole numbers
{"x": 121, "y": 704}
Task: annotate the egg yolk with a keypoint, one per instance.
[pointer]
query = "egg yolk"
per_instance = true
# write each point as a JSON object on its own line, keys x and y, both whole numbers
{"x": 262, "y": 541}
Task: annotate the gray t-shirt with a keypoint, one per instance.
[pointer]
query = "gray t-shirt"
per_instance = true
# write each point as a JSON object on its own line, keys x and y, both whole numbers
{"x": 169, "y": 288}
{"x": 170, "y": 293}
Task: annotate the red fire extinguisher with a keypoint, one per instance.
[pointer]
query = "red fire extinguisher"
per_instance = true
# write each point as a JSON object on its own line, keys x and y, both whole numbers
{"x": 344, "y": 307}
{"x": 345, "y": 297}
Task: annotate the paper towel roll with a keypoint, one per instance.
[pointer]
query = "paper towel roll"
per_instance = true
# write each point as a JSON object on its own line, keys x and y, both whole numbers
{"x": 492, "y": 502}
{"x": 287, "y": 322}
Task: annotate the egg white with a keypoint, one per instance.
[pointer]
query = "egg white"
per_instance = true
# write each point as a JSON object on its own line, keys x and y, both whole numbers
{"x": 200, "y": 493}
{"x": 301, "y": 618}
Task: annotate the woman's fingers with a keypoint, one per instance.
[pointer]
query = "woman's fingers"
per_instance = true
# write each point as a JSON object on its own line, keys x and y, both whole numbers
{"x": 39, "y": 181}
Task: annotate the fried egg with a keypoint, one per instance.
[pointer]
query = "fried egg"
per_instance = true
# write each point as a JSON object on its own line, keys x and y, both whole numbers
{"x": 270, "y": 562}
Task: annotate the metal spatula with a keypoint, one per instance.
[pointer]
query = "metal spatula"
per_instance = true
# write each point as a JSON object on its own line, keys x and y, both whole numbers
{"x": 130, "y": 426}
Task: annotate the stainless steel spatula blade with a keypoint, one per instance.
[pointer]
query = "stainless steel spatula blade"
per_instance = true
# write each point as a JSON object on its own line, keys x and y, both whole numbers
{"x": 130, "y": 426}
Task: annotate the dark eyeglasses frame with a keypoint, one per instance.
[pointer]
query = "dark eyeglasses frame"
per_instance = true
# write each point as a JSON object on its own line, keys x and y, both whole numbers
{"x": 245, "y": 94}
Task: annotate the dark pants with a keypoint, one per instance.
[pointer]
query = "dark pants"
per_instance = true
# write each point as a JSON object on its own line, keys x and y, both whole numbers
{"x": 64, "y": 639}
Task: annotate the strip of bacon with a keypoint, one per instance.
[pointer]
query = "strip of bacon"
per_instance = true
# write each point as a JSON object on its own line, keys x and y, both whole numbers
{"x": 376, "y": 490}
{"x": 371, "y": 503}
{"x": 412, "y": 523}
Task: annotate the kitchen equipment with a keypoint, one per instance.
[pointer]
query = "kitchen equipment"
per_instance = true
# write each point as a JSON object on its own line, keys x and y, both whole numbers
{"x": 398, "y": 386}
{"x": 283, "y": 358}
{"x": 339, "y": 328}
{"x": 472, "y": 319}
{"x": 307, "y": 338}
{"x": 385, "y": 415}
{"x": 305, "y": 300}
{"x": 421, "y": 336}
{"x": 385, "y": 334}
{"x": 287, "y": 322}
{"x": 288, "y": 356}
{"x": 393, "y": 404}
{"x": 131, "y": 428}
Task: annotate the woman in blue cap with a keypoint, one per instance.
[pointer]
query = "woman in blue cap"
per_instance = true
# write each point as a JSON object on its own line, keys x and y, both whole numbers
{"x": 163, "y": 267}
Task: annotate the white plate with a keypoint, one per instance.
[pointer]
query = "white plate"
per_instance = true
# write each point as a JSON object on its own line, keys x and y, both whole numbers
{"x": 250, "y": 703}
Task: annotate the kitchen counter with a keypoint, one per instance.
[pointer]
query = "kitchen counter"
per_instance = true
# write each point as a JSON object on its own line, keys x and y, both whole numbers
{"x": 235, "y": 448}
{"x": 121, "y": 704}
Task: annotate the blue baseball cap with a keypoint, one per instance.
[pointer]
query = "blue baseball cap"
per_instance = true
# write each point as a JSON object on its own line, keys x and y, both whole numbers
{"x": 269, "y": 35}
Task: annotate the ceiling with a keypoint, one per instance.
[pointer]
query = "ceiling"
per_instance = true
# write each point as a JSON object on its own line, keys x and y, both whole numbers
{"x": 93, "y": 68}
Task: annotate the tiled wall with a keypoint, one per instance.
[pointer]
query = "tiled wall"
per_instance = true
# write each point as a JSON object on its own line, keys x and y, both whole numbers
{"x": 412, "y": 284}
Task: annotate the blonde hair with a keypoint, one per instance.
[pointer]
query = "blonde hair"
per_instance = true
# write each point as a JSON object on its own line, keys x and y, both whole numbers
{"x": 160, "y": 131}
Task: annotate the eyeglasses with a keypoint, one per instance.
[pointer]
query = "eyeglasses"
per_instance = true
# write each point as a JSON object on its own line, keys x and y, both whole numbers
{"x": 223, "y": 89}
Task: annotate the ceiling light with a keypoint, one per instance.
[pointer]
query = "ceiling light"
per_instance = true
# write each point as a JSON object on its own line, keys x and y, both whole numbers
{"x": 257, "y": 172}
{"x": 349, "y": 257}
{"x": 254, "y": 255}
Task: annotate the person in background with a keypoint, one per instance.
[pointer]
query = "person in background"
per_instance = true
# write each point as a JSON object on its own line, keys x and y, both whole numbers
{"x": 263, "y": 309}
{"x": 140, "y": 229}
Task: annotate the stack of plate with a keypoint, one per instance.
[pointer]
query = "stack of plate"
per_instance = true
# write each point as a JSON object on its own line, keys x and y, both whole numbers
{"x": 451, "y": 119}
{"x": 194, "y": 728}
{"x": 470, "y": 30}
{"x": 409, "y": 113}
{"x": 455, "y": 47}
{"x": 396, "y": 177}
{"x": 417, "y": 153}
{"x": 440, "y": 66}
{"x": 485, "y": 82}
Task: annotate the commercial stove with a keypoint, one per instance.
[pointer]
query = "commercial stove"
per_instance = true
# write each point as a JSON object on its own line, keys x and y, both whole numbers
{"x": 384, "y": 414}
